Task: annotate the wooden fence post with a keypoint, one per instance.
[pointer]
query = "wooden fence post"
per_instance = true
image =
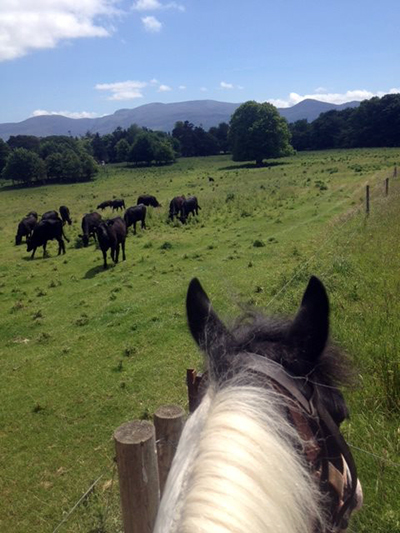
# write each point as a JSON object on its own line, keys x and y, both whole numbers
{"x": 395, "y": 172}
{"x": 367, "y": 199}
{"x": 387, "y": 186}
{"x": 138, "y": 476}
{"x": 169, "y": 421}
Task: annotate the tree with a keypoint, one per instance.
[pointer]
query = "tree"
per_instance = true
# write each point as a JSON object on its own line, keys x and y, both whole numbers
{"x": 99, "y": 148}
{"x": 184, "y": 132}
{"x": 163, "y": 152}
{"x": 122, "y": 149}
{"x": 5, "y": 151}
{"x": 142, "y": 149}
{"x": 220, "y": 132}
{"x": 29, "y": 142}
{"x": 257, "y": 131}
{"x": 301, "y": 134}
{"x": 23, "y": 165}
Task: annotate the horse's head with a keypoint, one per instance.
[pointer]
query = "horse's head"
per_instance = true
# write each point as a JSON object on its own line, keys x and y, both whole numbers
{"x": 300, "y": 346}
{"x": 281, "y": 378}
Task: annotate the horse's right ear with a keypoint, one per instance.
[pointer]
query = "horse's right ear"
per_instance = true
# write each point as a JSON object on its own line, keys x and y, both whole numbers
{"x": 206, "y": 328}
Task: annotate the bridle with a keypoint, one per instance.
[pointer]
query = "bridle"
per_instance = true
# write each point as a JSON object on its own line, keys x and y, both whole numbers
{"x": 325, "y": 449}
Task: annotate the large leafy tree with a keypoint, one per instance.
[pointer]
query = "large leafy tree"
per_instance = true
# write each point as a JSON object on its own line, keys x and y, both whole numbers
{"x": 257, "y": 131}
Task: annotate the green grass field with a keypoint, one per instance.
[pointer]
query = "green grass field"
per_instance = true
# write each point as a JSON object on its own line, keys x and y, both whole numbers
{"x": 84, "y": 350}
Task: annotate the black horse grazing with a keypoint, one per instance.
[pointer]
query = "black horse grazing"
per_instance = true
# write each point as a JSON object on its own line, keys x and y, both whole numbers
{"x": 175, "y": 206}
{"x": 135, "y": 214}
{"x": 263, "y": 451}
{"x": 65, "y": 216}
{"x": 111, "y": 235}
{"x": 148, "y": 199}
{"x": 117, "y": 204}
{"x": 190, "y": 205}
{"x": 90, "y": 221}
{"x": 46, "y": 230}
{"x": 50, "y": 214}
{"x": 25, "y": 227}
{"x": 103, "y": 205}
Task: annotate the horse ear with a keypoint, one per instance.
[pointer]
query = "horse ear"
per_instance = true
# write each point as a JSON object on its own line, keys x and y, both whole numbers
{"x": 310, "y": 328}
{"x": 207, "y": 329}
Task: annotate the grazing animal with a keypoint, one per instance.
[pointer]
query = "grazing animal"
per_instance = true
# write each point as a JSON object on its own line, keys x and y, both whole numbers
{"x": 46, "y": 230}
{"x": 111, "y": 234}
{"x": 190, "y": 205}
{"x": 105, "y": 204}
{"x": 175, "y": 206}
{"x": 25, "y": 227}
{"x": 65, "y": 217}
{"x": 90, "y": 221}
{"x": 148, "y": 199}
{"x": 50, "y": 214}
{"x": 263, "y": 452}
{"x": 210, "y": 178}
{"x": 135, "y": 214}
{"x": 33, "y": 213}
{"x": 117, "y": 204}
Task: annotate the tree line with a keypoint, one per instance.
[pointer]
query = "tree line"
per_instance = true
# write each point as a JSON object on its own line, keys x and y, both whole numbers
{"x": 374, "y": 123}
{"x": 255, "y": 132}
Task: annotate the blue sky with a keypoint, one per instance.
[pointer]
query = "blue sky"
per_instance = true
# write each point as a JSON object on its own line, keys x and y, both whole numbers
{"x": 93, "y": 57}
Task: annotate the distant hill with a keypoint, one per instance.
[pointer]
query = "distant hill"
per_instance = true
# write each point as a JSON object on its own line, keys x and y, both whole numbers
{"x": 205, "y": 113}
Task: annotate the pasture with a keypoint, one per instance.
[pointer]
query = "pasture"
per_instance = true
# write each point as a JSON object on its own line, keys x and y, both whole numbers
{"x": 84, "y": 349}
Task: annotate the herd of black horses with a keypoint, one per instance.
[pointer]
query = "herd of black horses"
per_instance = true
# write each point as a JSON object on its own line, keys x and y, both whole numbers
{"x": 110, "y": 233}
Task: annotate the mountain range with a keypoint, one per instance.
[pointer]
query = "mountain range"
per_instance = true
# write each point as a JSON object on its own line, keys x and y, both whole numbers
{"x": 156, "y": 116}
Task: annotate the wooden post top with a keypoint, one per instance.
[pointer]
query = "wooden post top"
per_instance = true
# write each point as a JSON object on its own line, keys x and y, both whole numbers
{"x": 169, "y": 411}
{"x": 134, "y": 432}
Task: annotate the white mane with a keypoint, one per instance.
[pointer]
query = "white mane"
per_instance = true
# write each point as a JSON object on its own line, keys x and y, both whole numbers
{"x": 237, "y": 469}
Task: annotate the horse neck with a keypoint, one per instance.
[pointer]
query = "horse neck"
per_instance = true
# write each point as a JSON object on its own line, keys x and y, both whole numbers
{"x": 238, "y": 468}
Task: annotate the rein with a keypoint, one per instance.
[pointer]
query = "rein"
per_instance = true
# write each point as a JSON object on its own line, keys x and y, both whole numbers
{"x": 310, "y": 421}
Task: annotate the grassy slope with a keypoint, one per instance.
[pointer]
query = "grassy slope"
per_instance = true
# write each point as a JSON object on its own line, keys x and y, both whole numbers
{"x": 85, "y": 350}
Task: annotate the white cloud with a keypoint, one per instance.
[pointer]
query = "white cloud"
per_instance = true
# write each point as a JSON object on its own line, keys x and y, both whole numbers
{"x": 27, "y": 25}
{"x": 332, "y": 98}
{"x": 123, "y": 90}
{"x": 182, "y": 87}
{"x": 153, "y": 5}
{"x": 69, "y": 114}
{"x": 225, "y": 85}
{"x": 151, "y": 24}
{"x": 147, "y": 5}
{"x": 203, "y": 89}
{"x": 164, "y": 88}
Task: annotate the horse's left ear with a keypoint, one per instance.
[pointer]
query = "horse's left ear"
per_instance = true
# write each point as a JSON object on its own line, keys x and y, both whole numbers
{"x": 310, "y": 328}
{"x": 207, "y": 329}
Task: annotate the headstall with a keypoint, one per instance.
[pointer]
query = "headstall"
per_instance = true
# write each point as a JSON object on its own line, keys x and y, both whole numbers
{"x": 325, "y": 449}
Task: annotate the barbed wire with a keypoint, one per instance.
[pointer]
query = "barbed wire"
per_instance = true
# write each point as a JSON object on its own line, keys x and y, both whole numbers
{"x": 81, "y": 499}
{"x": 383, "y": 459}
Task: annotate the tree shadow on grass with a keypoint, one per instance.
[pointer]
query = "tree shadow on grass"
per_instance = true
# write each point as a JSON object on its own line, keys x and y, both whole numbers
{"x": 254, "y": 165}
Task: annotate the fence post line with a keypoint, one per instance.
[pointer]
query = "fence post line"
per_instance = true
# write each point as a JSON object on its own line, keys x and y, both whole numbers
{"x": 138, "y": 475}
{"x": 367, "y": 199}
{"x": 169, "y": 421}
{"x": 387, "y": 186}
